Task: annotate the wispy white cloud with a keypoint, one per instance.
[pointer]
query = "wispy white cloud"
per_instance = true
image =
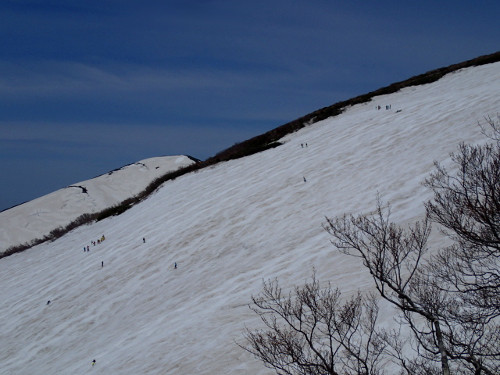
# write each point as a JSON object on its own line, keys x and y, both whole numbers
{"x": 74, "y": 78}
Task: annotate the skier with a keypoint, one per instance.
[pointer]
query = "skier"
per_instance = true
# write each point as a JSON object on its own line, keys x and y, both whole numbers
{"x": 143, "y": 240}
{"x": 93, "y": 362}
{"x": 175, "y": 265}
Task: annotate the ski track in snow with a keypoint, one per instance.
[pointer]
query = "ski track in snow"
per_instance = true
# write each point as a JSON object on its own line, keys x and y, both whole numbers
{"x": 228, "y": 227}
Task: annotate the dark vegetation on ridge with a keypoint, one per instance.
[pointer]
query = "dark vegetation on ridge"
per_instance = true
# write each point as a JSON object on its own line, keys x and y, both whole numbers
{"x": 254, "y": 145}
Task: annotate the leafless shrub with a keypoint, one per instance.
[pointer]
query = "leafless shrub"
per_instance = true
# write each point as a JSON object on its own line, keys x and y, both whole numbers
{"x": 311, "y": 331}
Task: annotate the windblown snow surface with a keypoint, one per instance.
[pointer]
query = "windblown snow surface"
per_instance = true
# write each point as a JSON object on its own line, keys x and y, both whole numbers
{"x": 228, "y": 227}
{"x": 35, "y": 219}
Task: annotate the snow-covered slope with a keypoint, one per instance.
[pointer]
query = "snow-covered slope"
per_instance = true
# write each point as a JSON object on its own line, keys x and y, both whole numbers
{"x": 228, "y": 227}
{"x": 38, "y": 217}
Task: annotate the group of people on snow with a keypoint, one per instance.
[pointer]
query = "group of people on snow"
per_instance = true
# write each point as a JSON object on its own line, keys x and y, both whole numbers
{"x": 94, "y": 243}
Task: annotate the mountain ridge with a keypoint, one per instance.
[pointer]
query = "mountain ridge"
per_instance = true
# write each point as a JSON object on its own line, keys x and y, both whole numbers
{"x": 49, "y": 214}
{"x": 259, "y": 143}
{"x": 228, "y": 227}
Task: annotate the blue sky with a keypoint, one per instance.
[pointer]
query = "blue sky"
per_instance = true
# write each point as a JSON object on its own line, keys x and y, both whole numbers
{"x": 89, "y": 86}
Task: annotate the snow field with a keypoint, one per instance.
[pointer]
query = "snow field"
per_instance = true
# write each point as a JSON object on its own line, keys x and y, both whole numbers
{"x": 228, "y": 227}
